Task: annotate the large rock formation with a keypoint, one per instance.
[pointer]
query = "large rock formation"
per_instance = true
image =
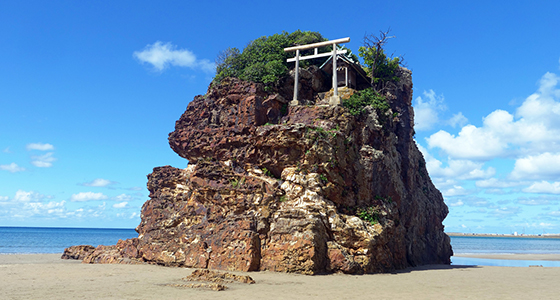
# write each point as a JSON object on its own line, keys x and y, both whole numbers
{"x": 308, "y": 189}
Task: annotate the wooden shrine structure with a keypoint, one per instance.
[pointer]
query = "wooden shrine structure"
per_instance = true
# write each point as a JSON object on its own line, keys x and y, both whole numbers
{"x": 335, "y": 99}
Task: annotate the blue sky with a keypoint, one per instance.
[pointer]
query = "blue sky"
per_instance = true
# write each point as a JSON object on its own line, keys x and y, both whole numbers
{"x": 89, "y": 92}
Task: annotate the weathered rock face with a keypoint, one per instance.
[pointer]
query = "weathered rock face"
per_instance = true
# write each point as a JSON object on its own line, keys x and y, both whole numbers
{"x": 307, "y": 189}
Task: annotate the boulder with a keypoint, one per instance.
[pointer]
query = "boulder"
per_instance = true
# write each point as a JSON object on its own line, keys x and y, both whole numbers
{"x": 306, "y": 189}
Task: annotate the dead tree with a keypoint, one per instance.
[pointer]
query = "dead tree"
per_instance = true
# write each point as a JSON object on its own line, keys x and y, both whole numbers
{"x": 375, "y": 43}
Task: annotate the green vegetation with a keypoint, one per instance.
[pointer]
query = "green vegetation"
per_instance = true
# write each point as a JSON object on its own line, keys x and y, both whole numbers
{"x": 323, "y": 178}
{"x": 267, "y": 172}
{"x": 235, "y": 183}
{"x": 387, "y": 199}
{"x": 358, "y": 101}
{"x": 378, "y": 66}
{"x": 264, "y": 60}
{"x": 369, "y": 214}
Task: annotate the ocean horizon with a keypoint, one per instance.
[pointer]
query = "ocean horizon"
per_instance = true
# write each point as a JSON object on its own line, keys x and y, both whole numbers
{"x": 50, "y": 240}
{"x": 39, "y": 240}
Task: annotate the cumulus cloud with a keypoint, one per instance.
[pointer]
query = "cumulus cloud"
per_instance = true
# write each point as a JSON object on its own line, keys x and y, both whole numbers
{"x": 544, "y": 187}
{"x": 456, "y": 190}
{"x": 471, "y": 143}
{"x": 99, "y": 182}
{"x": 477, "y": 202}
{"x": 427, "y": 109}
{"x": 504, "y": 212}
{"x": 496, "y": 183}
{"x": 541, "y": 166}
{"x": 126, "y": 215}
{"x": 535, "y": 128}
{"x": 43, "y": 161}
{"x": 120, "y": 205}
{"x": 457, "y": 203}
{"x": 460, "y": 169}
{"x": 23, "y": 196}
{"x": 457, "y": 120}
{"x": 40, "y": 147}
{"x": 123, "y": 197}
{"x": 542, "y": 106}
{"x": 50, "y": 208}
{"x": 533, "y": 202}
{"x": 554, "y": 213}
{"x": 161, "y": 56}
{"x": 87, "y": 196}
{"x": 13, "y": 167}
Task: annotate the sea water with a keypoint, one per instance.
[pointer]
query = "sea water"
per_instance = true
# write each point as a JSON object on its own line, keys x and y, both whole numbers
{"x": 24, "y": 240}
{"x": 505, "y": 246}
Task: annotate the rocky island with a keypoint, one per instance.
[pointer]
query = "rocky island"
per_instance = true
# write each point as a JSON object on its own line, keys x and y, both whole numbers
{"x": 309, "y": 188}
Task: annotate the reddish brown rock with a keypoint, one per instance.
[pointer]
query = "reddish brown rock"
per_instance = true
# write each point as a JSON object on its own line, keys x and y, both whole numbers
{"x": 77, "y": 252}
{"x": 272, "y": 187}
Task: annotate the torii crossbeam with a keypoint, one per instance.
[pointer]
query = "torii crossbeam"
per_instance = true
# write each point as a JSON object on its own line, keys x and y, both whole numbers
{"x": 297, "y": 58}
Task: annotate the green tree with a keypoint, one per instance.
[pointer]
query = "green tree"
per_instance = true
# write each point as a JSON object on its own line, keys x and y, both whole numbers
{"x": 264, "y": 60}
{"x": 379, "y": 66}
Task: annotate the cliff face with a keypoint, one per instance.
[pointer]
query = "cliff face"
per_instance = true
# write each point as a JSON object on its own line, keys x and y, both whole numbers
{"x": 307, "y": 189}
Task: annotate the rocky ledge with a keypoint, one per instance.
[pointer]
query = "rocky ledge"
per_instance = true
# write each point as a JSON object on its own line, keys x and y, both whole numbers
{"x": 308, "y": 189}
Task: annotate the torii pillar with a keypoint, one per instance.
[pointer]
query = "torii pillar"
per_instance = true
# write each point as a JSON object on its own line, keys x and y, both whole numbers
{"x": 335, "y": 99}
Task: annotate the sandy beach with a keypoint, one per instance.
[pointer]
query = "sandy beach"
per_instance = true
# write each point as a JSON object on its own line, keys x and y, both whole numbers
{"x": 46, "y": 276}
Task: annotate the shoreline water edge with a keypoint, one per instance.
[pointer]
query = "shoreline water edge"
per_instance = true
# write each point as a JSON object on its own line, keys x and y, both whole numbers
{"x": 529, "y": 273}
{"x": 46, "y": 276}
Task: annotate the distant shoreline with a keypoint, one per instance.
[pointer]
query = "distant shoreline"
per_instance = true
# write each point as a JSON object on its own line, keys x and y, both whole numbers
{"x": 545, "y": 236}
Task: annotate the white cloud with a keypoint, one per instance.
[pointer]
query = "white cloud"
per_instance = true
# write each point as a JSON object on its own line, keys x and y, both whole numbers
{"x": 99, "y": 182}
{"x": 458, "y": 203}
{"x": 23, "y": 196}
{"x": 533, "y": 201}
{"x": 476, "y": 201}
{"x": 495, "y": 183}
{"x": 120, "y": 205}
{"x": 471, "y": 143}
{"x": 123, "y": 197}
{"x": 51, "y": 208}
{"x": 132, "y": 215}
{"x": 503, "y": 212}
{"x": 43, "y": 161}
{"x": 554, "y": 213}
{"x": 544, "y": 187}
{"x": 426, "y": 110}
{"x": 160, "y": 56}
{"x": 40, "y": 147}
{"x": 7, "y": 150}
{"x": 13, "y": 167}
{"x": 541, "y": 106}
{"x": 542, "y": 166}
{"x": 456, "y": 190}
{"x": 460, "y": 169}
{"x": 534, "y": 129}
{"x": 458, "y": 120}
{"x": 87, "y": 196}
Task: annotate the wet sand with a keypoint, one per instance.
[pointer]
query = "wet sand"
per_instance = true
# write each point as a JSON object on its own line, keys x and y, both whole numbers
{"x": 46, "y": 276}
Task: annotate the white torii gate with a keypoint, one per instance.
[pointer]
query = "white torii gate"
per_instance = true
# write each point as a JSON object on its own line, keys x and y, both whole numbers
{"x": 297, "y": 58}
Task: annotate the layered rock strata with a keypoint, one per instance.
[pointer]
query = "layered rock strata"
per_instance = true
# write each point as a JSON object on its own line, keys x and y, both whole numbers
{"x": 308, "y": 189}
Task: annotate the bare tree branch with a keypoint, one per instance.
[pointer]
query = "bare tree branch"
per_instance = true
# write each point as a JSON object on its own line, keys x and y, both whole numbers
{"x": 377, "y": 42}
